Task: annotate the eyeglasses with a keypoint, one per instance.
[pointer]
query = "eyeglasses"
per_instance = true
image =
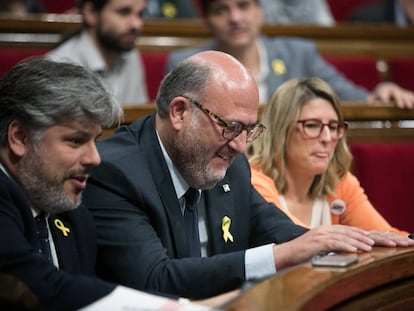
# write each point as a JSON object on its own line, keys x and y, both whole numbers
{"x": 232, "y": 129}
{"x": 313, "y": 128}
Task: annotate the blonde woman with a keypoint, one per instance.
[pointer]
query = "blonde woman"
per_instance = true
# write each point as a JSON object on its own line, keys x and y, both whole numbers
{"x": 301, "y": 162}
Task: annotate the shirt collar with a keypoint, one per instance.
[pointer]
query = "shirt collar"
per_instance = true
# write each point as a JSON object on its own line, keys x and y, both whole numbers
{"x": 4, "y": 170}
{"x": 93, "y": 57}
{"x": 180, "y": 185}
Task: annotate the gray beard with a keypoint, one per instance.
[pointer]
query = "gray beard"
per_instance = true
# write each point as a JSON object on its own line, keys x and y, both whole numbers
{"x": 44, "y": 193}
{"x": 192, "y": 161}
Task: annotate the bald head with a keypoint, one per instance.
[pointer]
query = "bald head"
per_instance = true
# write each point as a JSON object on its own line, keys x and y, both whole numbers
{"x": 224, "y": 69}
{"x": 196, "y": 75}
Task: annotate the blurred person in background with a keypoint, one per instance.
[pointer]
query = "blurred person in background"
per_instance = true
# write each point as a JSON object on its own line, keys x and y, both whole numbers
{"x": 235, "y": 26}
{"x": 106, "y": 45}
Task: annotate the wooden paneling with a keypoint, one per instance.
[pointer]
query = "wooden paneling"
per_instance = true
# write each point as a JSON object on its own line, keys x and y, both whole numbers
{"x": 359, "y": 113}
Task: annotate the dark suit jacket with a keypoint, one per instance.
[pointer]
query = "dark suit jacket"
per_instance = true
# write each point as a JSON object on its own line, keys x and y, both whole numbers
{"x": 377, "y": 12}
{"x": 140, "y": 226}
{"x": 299, "y": 57}
{"x": 68, "y": 288}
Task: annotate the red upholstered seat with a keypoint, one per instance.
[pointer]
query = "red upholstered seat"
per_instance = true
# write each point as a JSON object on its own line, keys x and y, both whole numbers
{"x": 361, "y": 70}
{"x": 11, "y": 56}
{"x": 341, "y": 9}
{"x": 58, "y": 6}
{"x": 154, "y": 64}
{"x": 386, "y": 172}
{"x": 401, "y": 72}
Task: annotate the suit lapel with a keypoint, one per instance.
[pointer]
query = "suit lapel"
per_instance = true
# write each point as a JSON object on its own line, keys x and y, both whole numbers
{"x": 220, "y": 204}
{"x": 172, "y": 208}
{"x": 65, "y": 245}
{"x": 165, "y": 188}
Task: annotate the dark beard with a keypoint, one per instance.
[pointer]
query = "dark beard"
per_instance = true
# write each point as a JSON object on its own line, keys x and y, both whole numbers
{"x": 112, "y": 42}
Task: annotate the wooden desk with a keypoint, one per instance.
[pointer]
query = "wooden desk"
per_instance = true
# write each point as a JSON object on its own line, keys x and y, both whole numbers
{"x": 362, "y": 113}
{"x": 383, "y": 278}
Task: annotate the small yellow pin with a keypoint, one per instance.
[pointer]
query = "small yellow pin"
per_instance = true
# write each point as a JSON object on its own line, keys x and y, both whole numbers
{"x": 225, "y": 226}
{"x": 169, "y": 10}
{"x": 278, "y": 66}
{"x": 59, "y": 224}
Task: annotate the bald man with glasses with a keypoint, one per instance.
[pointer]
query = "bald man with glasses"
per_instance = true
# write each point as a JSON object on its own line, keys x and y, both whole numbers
{"x": 190, "y": 156}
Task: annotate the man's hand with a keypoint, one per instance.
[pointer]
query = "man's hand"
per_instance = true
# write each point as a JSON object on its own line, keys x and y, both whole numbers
{"x": 391, "y": 92}
{"x": 383, "y": 238}
{"x": 326, "y": 238}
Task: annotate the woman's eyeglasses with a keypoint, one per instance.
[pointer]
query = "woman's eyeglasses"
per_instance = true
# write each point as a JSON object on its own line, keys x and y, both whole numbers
{"x": 313, "y": 128}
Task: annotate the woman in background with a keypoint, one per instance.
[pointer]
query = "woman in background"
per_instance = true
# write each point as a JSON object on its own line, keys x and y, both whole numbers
{"x": 302, "y": 162}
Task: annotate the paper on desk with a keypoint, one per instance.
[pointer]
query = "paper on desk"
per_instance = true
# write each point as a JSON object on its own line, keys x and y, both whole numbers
{"x": 126, "y": 299}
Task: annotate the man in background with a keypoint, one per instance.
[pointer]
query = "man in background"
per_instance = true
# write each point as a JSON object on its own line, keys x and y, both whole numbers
{"x": 106, "y": 45}
{"x": 235, "y": 26}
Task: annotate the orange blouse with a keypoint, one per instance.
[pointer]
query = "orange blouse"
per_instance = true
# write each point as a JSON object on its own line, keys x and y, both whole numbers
{"x": 358, "y": 212}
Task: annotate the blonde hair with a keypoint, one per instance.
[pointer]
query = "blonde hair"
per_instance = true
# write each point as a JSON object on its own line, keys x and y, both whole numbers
{"x": 280, "y": 116}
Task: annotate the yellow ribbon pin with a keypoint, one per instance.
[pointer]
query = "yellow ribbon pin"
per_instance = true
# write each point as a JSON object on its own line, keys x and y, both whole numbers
{"x": 169, "y": 10}
{"x": 278, "y": 66}
{"x": 225, "y": 226}
{"x": 59, "y": 224}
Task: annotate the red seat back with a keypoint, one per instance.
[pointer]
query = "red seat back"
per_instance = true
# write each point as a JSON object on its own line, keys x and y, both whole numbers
{"x": 11, "y": 56}
{"x": 386, "y": 172}
{"x": 402, "y": 71}
{"x": 341, "y": 9}
{"x": 154, "y": 64}
{"x": 58, "y": 6}
{"x": 361, "y": 70}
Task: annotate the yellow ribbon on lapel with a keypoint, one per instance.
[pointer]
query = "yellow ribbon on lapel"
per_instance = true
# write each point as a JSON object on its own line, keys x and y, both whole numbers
{"x": 59, "y": 224}
{"x": 225, "y": 226}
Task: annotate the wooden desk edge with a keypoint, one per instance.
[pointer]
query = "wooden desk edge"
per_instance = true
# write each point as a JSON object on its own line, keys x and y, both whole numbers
{"x": 306, "y": 288}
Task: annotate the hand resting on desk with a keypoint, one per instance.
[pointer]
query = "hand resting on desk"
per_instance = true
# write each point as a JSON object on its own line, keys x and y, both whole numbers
{"x": 385, "y": 238}
{"x": 325, "y": 238}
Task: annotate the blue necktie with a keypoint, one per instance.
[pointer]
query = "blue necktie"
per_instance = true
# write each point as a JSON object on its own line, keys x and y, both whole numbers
{"x": 43, "y": 235}
{"x": 191, "y": 222}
